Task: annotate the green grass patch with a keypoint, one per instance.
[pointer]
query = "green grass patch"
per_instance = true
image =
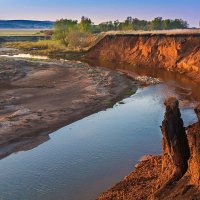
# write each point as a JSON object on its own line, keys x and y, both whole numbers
{"x": 43, "y": 46}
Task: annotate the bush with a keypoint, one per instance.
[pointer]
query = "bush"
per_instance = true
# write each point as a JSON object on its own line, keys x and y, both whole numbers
{"x": 80, "y": 40}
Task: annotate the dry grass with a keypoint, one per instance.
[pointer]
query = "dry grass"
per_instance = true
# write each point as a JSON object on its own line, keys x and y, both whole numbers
{"x": 21, "y": 32}
{"x": 87, "y": 42}
{"x": 166, "y": 32}
{"x": 46, "y": 47}
{"x": 42, "y": 46}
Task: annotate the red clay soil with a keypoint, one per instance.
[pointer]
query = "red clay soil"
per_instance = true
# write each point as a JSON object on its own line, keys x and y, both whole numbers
{"x": 139, "y": 184}
{"x": 172, "y": 52}
{"x": 175, "y": 174}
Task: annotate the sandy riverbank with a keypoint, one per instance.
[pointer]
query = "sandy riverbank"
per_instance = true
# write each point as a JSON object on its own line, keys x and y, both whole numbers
{"x": 37, "y": 98}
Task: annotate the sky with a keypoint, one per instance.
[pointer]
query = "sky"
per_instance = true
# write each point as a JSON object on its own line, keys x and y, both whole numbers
{"x": 102, "y": 10}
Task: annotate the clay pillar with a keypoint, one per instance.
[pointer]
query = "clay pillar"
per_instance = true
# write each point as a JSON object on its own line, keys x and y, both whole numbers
{"x": 175, "y": 142}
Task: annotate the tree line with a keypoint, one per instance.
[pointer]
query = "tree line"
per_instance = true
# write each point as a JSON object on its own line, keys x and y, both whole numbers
{"x": 158, "y": 23}
{"x": 71, "y": 32}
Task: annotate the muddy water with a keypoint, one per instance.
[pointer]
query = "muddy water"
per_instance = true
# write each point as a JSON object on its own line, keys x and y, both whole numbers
{"x": 85, "y": 158}
{"x": 180, "y": 83}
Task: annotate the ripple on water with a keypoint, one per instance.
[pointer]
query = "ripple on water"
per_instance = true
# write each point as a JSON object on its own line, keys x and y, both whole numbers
{"x": 85, "y": 158}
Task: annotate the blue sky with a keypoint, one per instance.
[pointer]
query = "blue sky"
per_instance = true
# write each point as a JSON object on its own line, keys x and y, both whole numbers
{"x": 102, "y": 10}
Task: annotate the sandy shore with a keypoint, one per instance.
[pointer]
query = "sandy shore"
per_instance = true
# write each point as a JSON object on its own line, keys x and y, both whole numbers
{"x": 37, "y": 98}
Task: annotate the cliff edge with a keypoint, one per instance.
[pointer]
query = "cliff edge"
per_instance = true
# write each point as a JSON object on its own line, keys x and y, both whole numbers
{"x": 173, "y": 175}
{"x": 176, "y": 52}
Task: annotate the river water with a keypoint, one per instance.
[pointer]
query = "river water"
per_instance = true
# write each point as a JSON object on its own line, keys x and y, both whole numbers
{"x": 87, "y": 157}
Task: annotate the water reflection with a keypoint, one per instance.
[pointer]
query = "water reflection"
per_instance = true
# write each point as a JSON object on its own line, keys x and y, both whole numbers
{"x": 181, "y": 84}
{"x": 85, "y": 158}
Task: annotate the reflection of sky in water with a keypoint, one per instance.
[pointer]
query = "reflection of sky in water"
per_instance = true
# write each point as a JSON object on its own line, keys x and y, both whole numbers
{"x": 85, "y": 158}
{"x": 174, "y": 80}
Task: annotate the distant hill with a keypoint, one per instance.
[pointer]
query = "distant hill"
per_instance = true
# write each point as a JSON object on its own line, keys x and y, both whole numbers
{"x": 25, "y": 24}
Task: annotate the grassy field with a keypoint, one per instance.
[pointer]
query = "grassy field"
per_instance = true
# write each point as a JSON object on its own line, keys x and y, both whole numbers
{"x": 45, "y": 47}
{"x": 42, "y": 47}
{"x": 164, "y": 32}
{"x": 37, "y": 32}
{"x": 20, "y": 32}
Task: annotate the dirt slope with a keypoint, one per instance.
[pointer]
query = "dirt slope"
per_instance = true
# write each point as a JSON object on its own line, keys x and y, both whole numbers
{"x": 179, "y": 52}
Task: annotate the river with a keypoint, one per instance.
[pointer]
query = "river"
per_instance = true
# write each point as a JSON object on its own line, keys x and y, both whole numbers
{"x": 87, "y": 157}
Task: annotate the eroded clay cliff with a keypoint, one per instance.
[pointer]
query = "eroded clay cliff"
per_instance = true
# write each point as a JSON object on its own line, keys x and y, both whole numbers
{"x": 194, "y": 142}
{"x": 179, "y": 52}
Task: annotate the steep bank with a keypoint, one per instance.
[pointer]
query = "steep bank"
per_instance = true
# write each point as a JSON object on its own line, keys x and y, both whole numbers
{"x": 175, "y": 174}
{"x": 176, "y": 52}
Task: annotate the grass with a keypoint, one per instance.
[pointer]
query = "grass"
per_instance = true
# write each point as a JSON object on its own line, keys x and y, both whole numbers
{"x": 37, "y": 32}
{"x": 46, "y": 47}
{"x": 20, "y": 32}
{"x": 165, "y": 32}
{"x": 43, "y": 47}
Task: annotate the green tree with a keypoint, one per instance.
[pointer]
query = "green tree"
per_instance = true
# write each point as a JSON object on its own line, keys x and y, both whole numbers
{"x": 167, "y": 24}
{"x": 85, "y": 25}
{"x": 62, "y": 28}
{"x": 179, "y": 24}
{"x": 106, "y": 26}
{"x": 116, "y": 24}
{"x": 79, "y": 35}
{"x": 127, "y": 24}
{"x": 156, "y": 24}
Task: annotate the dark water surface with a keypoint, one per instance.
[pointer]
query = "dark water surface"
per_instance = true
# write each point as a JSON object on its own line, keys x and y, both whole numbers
{"x": 87, "y": 157}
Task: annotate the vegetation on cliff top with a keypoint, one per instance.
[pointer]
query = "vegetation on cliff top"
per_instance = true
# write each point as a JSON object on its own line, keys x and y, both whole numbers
{"x": 81, "y": 35}
{"x": 130, "y": 23}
